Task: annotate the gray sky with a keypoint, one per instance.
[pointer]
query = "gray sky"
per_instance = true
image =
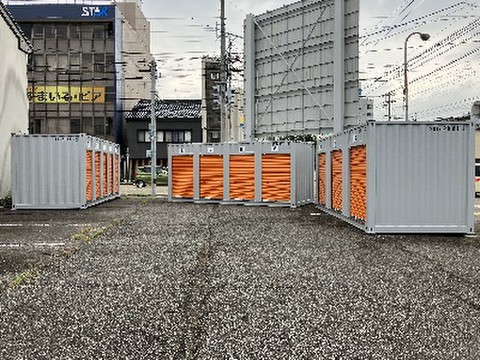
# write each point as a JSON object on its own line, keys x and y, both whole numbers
{"x": 184, "y": 31}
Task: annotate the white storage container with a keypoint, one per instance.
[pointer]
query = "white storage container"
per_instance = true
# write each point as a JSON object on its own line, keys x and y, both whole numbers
{"x": 63, "y": 171}
{"x": 400, "y": 177}
{"x": 265, "y": 173}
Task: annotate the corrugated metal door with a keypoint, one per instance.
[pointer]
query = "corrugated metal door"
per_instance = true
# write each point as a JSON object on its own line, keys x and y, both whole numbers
{"x": 322, "y": 178}
{"x": 211, "y": 177}
{"x": 242, "y": 177}
{"x": 116, "y": 175}
{"x": 358, "y": 182}
{"x": 89, "y": 175}
{"x": 337, "y": 180}
{"x": 182, "y": 176}
{"x": 105, "y": 175}
{"x": 98, "y": 179}
{"x": 110, "y": 174}
{"x": 276, "y": 177}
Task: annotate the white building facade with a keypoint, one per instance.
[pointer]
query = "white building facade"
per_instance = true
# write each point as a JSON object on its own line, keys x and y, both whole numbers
{"x": 13, "y": 94}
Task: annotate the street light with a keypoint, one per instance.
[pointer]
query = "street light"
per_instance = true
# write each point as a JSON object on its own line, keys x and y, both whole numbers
{"x": 424, "y": 37}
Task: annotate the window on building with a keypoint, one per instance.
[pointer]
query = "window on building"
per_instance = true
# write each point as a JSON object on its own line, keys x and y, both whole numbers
{"x": 30, "y": 62}
{"x": 177, "y": 136}
{"x": 109, "y": 129}
{"x": 75, "y": 127}
{"x": 37, "y": 31}
{"x": 99, "y": 126}
{"x": 99, "y": 32}
{"x": 99, "y": 63}
{"x": 36, "y": 126}
{"x": 62, "y": 61}
{"x": 109, "y": 30}
{"x": 86, "y": 33}
{"x": 87, "y": 62}
{"x": 50, "y": 31}
{"x": 62, "y": 32}
{"x": 75, "y": 32}
{"x": 39, "y": 62}
{"x": 168, "y": 136}
{"x": 51, "y": 62}
{"x": 143, "y": 136}
{"x": 110, "y": 94}
{"x": 160, "y": 136}
{"x": 110, "y": 63}
{"x": 74, "y": 61}
{"x": 87, "y": 125}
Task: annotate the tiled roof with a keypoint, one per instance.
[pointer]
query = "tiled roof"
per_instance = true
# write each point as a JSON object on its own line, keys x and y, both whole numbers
{"x": 167, "y": 109}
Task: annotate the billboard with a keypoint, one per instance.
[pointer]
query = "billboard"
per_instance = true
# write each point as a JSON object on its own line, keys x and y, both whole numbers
{"x": 46, "y": 94}
{"x": 301, "y": 69}
{"x": 56, "y": 12}
{"x": 211, "y": 99}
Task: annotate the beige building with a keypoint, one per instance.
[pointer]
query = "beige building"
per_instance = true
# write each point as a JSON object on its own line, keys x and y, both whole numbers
{"x": 13, "y": 96}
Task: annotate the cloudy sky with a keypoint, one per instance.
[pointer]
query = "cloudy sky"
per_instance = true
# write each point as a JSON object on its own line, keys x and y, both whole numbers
{"x": 446, "y": 65}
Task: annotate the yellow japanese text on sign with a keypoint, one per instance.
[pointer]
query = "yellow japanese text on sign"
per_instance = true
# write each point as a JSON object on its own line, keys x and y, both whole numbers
{"x": 66, "y": 94}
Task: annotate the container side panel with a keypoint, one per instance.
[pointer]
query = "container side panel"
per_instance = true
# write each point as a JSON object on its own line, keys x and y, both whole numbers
{"x": 358, "y": 182}
{"x": 322, "y": 177}
{"x": 421, "y": 175}
{"x": 211, "y": 177}
{"x": 337, "y": 180}
{"x": 182, "y": 176}
{"x": 51, "y": 173}
{"x": 276, "y": 172}
{"x": 242, "y": 177}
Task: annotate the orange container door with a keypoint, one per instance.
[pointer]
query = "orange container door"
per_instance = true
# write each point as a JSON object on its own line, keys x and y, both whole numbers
{"x": 89, "y": 189}
{"x": 98, "y": 179}
{"x": 337, "y": 180}
{"x": 211, "y": 177}
{"x": 242, "y": 177}
{"x": 110, "y": 174}
{"x": 322, "y": 177}
{"x": 276, "y": 177}
{"x": 182, "y": 176}
{"x": 116, "y": 169}
{"x": 358, "y": 182}
{"x": 105, "y": 175}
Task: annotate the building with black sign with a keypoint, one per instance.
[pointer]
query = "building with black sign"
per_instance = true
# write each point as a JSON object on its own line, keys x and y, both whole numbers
{"x": 211, "y": 118}
{"x": 84, "y": 69}
{"x": 178, "y": 121}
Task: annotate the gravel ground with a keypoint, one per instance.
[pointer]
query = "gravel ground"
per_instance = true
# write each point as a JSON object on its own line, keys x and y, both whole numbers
{"x": 185, "y": 281}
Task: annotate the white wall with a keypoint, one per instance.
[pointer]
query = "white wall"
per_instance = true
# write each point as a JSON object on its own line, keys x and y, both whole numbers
{"x": 13, "y": 99}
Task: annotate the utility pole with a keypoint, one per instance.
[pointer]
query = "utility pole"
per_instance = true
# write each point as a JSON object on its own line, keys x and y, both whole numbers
{"x": 153, "y": 127}
{"x": 223, "y": 76}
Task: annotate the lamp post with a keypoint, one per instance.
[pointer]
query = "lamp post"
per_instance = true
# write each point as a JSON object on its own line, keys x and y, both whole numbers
{"x": 424, "y": 37}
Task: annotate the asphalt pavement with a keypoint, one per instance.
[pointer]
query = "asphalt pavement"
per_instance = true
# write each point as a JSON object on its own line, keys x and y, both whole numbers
{"x": 187, "y": 281}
